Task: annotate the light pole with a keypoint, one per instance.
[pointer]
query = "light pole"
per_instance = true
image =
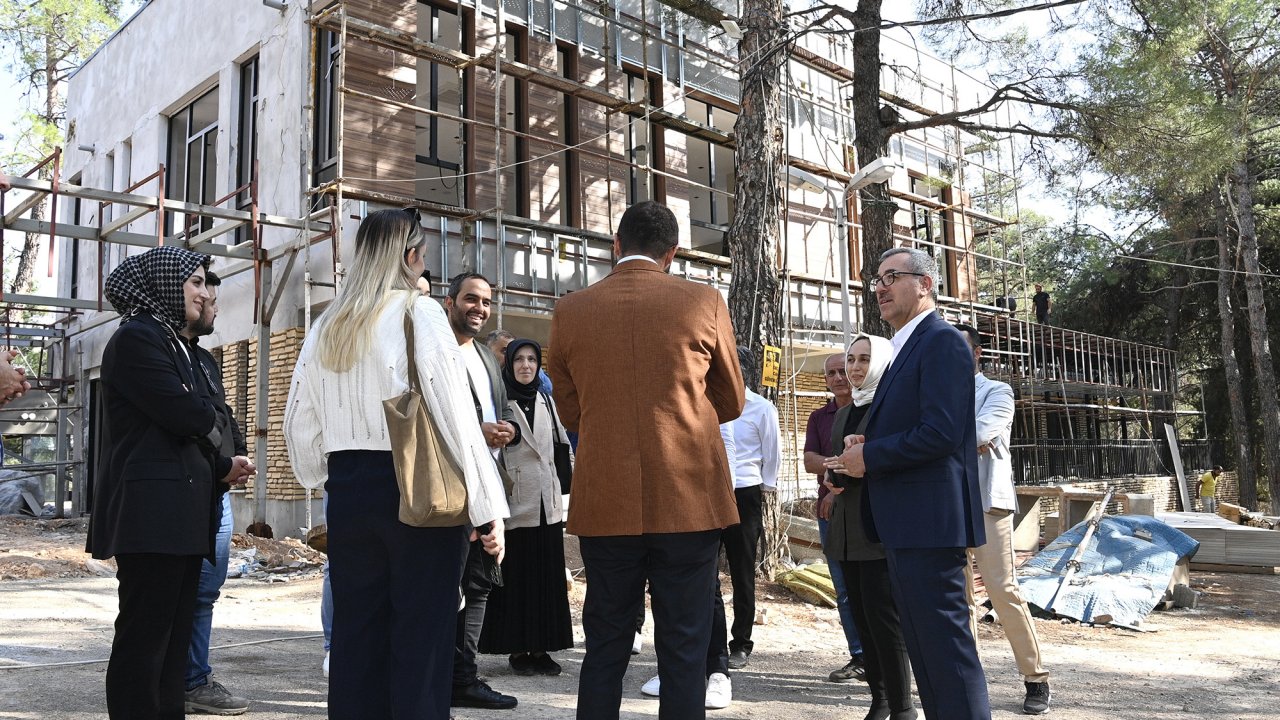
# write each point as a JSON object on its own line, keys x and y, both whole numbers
{"x": 877, "y": 171}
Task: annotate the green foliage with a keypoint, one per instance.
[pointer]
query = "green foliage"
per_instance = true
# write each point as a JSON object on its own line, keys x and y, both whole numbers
{"x": 43, "y": 41}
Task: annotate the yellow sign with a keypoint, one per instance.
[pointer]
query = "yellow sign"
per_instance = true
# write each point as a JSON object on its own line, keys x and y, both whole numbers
{"x": 770, "y": 367}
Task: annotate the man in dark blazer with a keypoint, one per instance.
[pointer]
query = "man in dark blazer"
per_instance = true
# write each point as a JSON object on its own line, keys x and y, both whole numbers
{"x": 919, "y": 455}
{"x": 645, "y": 368}
{"x": 467, "y": 304}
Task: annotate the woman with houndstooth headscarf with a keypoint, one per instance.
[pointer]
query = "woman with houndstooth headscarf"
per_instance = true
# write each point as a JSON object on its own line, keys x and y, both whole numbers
{"x": 159, "y": 478}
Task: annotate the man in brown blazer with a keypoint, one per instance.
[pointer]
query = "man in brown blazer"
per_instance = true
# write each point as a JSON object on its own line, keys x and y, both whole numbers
{"x": 645, "y": 368}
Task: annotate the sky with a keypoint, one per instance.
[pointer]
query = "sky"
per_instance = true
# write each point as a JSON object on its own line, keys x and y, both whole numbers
{"x": 1033, "y": 194}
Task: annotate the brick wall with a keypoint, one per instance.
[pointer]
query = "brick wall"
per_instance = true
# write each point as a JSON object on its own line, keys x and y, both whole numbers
{"x": 239, "y": 373}
{"x": 1164, "y": 489}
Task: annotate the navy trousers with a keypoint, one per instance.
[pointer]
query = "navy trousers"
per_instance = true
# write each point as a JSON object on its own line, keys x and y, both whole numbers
{"x": 681, "y": 570}
{"x": 929, "y": 588}
{"x": 395, "y": 597}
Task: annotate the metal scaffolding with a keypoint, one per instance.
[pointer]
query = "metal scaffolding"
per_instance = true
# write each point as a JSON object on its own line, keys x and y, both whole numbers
{"x": 38, "y": 193}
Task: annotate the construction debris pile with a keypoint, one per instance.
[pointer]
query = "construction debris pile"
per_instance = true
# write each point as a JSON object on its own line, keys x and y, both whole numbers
{"x": 272, "y": 560}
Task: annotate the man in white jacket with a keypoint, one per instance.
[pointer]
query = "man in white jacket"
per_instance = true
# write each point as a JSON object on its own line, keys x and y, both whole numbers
{"x": 995, "y": 559}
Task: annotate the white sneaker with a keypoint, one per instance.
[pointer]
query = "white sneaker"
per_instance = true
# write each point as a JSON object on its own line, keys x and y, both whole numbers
{"x": 637, "y": 644}
{"x": 651, "y": 688}
{"x": 325, "y": 667}
{"x": 719, "y": 691}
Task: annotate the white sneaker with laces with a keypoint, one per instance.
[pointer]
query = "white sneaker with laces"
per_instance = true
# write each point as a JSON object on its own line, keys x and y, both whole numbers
{"x": 651, "y": 688}
{"x": 325, "y": 667}
{"x": 719, "y": 691}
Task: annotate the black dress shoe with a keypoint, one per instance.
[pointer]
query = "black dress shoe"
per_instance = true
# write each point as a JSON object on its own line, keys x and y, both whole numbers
{"x": 738, "y": 659}
{"x": 480, "y": 695}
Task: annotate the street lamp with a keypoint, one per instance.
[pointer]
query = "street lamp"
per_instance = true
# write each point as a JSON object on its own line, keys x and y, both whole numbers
{"x": 875, "y": 172}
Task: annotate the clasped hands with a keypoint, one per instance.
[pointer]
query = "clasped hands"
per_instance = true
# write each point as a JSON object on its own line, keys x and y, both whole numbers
{"x": 241, "y": 471}
{"x": 498, "y": 434}
{"x": 850, "y": 462}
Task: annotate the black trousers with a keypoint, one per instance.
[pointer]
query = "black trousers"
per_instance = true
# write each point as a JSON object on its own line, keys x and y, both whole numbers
{"x": 146, "y": 675}
{"x": 475, "y": 590}
{"x": 876, "y": 616}
{"x": 681, "y": 570}
{"x": 395, "y": 596}
{"x": 718, "y": 648}
{"x": 741, "y": 543}
{"x": 929, "y": 589}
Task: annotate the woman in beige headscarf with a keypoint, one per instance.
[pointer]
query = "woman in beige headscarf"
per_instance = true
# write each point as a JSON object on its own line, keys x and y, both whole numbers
{"x": 853, "y": 541}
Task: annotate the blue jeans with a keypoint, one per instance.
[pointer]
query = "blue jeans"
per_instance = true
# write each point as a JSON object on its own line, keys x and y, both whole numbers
{"x": 326, "y": 594}
{"x": 211, "y": 579}
{"x": 842, "y": 596}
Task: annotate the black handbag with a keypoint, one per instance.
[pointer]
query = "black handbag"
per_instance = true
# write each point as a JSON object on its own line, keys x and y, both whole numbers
{"x": 561, "y": 451}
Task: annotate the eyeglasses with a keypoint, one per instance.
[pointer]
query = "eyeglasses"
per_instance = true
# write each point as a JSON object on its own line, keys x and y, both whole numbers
{"x": 891, "y": 277}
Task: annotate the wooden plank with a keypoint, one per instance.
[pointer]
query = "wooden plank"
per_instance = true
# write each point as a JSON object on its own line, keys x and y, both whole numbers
{"x": 1242, "y": 569}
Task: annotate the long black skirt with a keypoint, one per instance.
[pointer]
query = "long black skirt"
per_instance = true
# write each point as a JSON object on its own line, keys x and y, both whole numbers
{"x": 530, "y": 612}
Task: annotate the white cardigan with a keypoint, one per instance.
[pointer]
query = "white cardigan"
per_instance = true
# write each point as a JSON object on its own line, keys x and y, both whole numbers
{"x": 329, "y": 411}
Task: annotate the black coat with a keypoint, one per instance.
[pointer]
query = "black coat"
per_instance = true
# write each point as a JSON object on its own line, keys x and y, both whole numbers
{"x": 160, "y": 466}
{"x": 233, "y": 442}
{"x": 850, "y": 536}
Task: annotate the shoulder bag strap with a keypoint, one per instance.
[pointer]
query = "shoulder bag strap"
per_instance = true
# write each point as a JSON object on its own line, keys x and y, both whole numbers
{"x": 555, "y": 421}
{"x": 415, "y": 383}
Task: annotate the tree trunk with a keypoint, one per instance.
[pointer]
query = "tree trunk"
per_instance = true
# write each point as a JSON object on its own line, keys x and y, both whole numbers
{"x": 1259, "y": 336}
{"x": 1231, "y": 369}
{"x": 869, "y": 140}
{"x": 31, "y": 241}
{"x": 755, "y": 293}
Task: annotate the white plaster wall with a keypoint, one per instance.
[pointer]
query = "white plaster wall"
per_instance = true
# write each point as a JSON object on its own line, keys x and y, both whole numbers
{"x": 168, "y": 54}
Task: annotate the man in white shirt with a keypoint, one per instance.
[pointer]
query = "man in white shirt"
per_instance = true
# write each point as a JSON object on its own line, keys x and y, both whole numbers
{"x": 467, "y": 305}
{"x": 757, "y": 440}
{"x": 995, "y": 560}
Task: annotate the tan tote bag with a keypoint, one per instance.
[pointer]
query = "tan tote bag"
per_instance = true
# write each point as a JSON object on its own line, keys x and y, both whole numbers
{"x": 433, "y": 488}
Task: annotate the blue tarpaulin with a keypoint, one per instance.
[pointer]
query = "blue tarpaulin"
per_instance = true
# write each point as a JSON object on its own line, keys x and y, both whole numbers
{"x": 1121, "y": 576}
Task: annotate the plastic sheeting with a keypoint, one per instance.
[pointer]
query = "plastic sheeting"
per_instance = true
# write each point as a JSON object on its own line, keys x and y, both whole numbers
{"x": 1121, "y": 577}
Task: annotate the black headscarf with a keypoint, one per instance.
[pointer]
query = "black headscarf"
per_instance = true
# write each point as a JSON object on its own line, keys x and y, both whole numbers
{"x": 152, "y": 283}
{"x": 516, "y": 390}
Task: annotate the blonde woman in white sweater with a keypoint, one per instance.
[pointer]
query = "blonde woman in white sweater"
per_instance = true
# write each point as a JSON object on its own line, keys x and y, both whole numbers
{"x": 395, "y": 587}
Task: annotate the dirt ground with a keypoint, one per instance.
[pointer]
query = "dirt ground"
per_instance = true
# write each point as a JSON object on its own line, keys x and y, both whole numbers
{"x": 1220, "y": 660}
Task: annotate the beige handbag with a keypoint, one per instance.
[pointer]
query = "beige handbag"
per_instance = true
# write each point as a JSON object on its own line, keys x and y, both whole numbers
{"x": 433, "y": 488}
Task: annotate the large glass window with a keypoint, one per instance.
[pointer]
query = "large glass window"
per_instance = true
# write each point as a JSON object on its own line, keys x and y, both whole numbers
{"x": 247, "y": 139}
{"x": 569, "y": 130}
{"x": 640, "y": 150}
{"x": 439, "y": 144}
{"x": 928, "y": 227}
{"x": 515, "y": 150}
{"x": 326, "y": 128}
{"x": 711, "y": 167}
{"x": 192, "y": 169}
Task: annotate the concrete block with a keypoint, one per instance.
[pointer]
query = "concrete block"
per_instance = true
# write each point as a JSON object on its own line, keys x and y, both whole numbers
{"x": 1185, "y": 597}
{"x": 1140, "y": 504}
{"x": 1026, "y": 524}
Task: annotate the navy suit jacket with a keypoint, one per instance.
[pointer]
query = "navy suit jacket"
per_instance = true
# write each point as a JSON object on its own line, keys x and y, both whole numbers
{"x": 921, "y": 452}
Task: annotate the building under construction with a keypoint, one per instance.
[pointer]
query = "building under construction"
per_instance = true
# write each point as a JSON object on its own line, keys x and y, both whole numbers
{"x": 521, "y": 130}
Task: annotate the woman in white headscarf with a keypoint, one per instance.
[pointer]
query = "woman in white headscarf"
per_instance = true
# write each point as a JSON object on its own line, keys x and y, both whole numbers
{"x": 852, "y": 540}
